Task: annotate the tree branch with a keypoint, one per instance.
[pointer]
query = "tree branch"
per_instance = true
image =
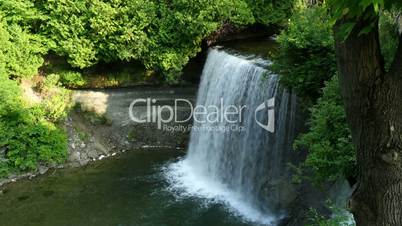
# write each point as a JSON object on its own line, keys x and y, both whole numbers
{"x": 396, "y": 66}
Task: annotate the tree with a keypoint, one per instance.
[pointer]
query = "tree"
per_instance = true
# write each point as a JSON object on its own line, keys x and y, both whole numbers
{"x": 373, "y": 100}
{"x": 162, "y": 34}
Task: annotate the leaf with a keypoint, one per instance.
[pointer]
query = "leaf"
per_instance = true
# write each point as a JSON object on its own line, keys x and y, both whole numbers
{"x": 345, "y": 30}
{"x": 367, "y": 29}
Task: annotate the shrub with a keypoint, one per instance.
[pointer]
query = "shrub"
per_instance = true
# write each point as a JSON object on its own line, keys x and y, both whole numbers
{"x": 56, "y": 100}
{"x": 56, "y": 105}
{"x": 340, "y": 217}
{"x": 51, "y": 81}
{"x": 34, "y": 141}
{"x": 10, "y": 96}
{"x": 72, "y": 79}
{"x": 177, "y": 34}
{"x": 331, "y": 154}
{"x": 306, "y": 58}
{"x": 163, "y": 35}
{"x": 4, "y": 170}
{"x": 25, "y": 136}
{"x": 24, "y": 56}
{"x": 22, "y": 51}
{"x": 270, "y": 12}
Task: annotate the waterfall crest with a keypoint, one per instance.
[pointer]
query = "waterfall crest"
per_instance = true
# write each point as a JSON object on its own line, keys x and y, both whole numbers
{"x": 242, "y": 169}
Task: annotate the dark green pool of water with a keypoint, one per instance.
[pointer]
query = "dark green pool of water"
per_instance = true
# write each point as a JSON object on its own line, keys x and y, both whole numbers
{"x": 128, "y": 190}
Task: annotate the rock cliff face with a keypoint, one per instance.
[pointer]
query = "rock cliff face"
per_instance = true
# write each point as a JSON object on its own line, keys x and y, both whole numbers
{"x": 100, "y": 125}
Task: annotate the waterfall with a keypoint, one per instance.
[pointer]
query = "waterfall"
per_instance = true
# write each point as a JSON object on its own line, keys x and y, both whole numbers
{"x": 244, "y": 169}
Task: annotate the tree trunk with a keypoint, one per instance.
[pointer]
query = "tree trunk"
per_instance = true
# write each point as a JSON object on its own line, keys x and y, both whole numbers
{"x": 373, "y": 101}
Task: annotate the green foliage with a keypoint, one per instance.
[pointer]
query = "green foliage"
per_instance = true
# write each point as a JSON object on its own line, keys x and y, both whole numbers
{"x": 331, "y": 153}
{"x": 22, "y": 12}
{"x": 72, "y": 79}
{"x": 22, "y": 52}
{"x": 51, "y": 81}
{"x": 178, "y": 31}
{"x": 10, "y": 98}
{"x": 352, "y": 10}
{"x": 56, "y": 105}
{"x": 4, "y": 46}
{"x": 33, "y": 142}
{"x": 103, "y": 75}
{"x": 162, "y": 34}
{"x": 56, "y": 100}
{"x": 341, "y": 8}
{"x": 27, "y": 138}
{"x": 339, "y": 218}
{"x": 60, "y": 73}
{"x": 89, "y": 31}
{"x": 270, "y": 11}
{"x": 308, "y": 28}
{"x": 4, "y": 170}
{"x": 25, "y": 53}
{"x": 306, "y": 58}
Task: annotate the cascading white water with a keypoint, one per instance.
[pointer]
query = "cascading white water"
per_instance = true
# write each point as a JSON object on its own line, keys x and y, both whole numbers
{"x": 239, "y": 168}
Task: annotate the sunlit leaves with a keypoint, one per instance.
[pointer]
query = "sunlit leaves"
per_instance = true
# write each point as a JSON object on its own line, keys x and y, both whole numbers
{"x": 21, "y": 52}
{"x": 162, "y": 34}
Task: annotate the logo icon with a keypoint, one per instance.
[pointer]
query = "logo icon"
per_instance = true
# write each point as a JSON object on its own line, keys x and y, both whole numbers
{"x": 269, "y": 105}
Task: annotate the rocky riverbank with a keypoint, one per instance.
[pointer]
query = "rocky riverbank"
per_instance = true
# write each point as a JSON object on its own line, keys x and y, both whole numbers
{"x": 99, "y": 126}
